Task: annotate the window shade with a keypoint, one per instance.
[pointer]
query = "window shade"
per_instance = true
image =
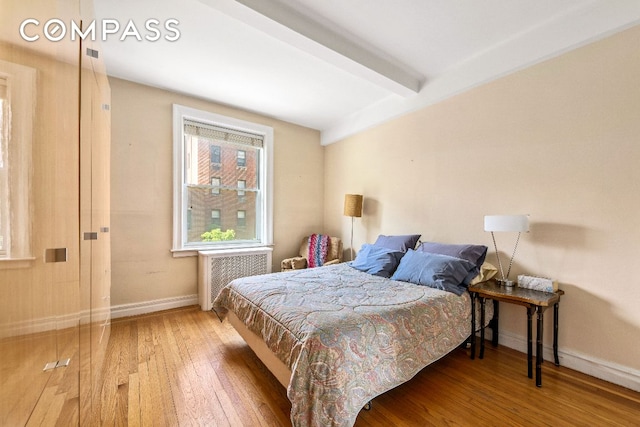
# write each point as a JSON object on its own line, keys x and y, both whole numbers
{"x": 206, "y": 130}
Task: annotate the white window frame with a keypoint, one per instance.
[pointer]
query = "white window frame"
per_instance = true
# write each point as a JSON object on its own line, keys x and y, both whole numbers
{"x": 21, "y": 93}
{"x": 265, "y": 202}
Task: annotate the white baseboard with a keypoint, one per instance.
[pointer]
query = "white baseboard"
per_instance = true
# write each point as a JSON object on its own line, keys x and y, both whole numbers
{"x": 602, "y": 369}
{"x": 145, "y": 307}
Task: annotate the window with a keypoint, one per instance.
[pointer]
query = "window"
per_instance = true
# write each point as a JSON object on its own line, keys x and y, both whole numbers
{"x": 215, "y": 219}
{"x": 215, "y": 185}
{"x": 242, "y": 184}
{"x": 242, "y": 219}
{"x": 17, "y": 97}
{"x": 214, "y": 154}
{"x": 210, "y": 190}
{"x": 242, "y": 158}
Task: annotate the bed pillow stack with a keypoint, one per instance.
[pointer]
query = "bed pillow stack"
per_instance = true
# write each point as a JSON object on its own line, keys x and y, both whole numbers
{"x": 449, "y": 267}
{"x": 475, "y": 254}
{"x": 434, "y": 270}
{"x": 382, "y": 258}
{"x": 442, "y": 266}
{"x": 377, "y": 260}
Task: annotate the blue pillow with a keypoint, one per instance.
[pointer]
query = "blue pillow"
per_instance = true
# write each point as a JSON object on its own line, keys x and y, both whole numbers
{"x": 377, "y": 260}
{"x": 472, "y": 253}
{"x": 434, "y": 270}
{"x": 398, "y": 243}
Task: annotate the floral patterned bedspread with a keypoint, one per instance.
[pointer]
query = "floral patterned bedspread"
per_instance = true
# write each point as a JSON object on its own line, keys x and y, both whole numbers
{"x": 346, "y": 336}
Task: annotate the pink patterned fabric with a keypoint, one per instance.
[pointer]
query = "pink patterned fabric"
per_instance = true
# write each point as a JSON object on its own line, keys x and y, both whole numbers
{"x": 318, "y": 247}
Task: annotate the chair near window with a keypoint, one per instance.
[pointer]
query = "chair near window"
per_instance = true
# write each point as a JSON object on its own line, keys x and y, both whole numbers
{"x": 334, "y": 255}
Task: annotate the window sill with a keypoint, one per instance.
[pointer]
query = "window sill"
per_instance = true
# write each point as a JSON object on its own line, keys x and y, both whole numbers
{"x": 194, "y": 251}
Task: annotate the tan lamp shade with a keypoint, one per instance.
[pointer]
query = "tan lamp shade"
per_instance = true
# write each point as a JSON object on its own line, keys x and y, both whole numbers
{"x": 353, "y": 205}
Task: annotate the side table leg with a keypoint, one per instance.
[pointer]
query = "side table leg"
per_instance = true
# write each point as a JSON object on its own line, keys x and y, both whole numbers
{"x": 495, "y": 323}
{"x": 539, "y": 347}
{"x": 482, "y": 316}
{"x": 473, "y": 325}
{"x": 530, "y": 311}
{"x": 555, "y": 334}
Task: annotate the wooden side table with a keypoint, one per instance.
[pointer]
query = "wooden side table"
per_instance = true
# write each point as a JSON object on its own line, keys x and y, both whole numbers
{"x": 534, "y": 301}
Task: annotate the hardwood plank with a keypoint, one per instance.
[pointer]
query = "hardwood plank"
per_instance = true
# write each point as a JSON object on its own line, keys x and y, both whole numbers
{"x": 185, "y": 367}
{"x": 122, "y": 336}
{"x": 146, "y": 405}
{"x": 134, "y": 414}
{"x": 106, "y": 406}
{"x": 155, "y": 387}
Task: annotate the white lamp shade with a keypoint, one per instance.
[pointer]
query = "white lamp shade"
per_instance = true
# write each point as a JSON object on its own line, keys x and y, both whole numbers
{"x": 519, "y": 223}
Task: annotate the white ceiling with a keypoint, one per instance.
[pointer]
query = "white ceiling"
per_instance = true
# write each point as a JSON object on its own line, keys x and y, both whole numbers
{"x": 341, "y": 66}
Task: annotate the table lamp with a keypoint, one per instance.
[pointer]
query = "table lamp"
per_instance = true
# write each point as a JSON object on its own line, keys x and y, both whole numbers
{"x": 506, "y": 223}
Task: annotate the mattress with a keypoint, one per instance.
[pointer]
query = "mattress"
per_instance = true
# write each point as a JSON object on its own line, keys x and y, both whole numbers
{"x": 346, "y": 336}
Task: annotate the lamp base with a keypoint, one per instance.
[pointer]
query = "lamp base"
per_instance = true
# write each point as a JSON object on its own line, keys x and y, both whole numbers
{"x": 505, "y": 282}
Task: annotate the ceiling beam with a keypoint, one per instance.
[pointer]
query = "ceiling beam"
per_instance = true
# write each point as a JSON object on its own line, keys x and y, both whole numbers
{"x": 298, "y": 30}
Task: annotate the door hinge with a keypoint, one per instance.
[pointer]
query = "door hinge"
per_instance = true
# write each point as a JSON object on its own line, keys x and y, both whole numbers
{"x": 57, "y": 364}
{"x": 92, "y": 53}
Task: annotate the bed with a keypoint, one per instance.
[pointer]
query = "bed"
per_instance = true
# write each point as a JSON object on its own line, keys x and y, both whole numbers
{"x": 337, "y": 336}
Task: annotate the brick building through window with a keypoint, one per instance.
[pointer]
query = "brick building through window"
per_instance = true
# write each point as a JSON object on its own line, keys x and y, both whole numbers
{"x": 226, "y": 184}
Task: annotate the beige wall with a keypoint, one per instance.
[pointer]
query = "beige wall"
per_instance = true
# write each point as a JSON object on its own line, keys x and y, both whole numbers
{"x": 143, "y": 268}
{"x": 559, "y": 141}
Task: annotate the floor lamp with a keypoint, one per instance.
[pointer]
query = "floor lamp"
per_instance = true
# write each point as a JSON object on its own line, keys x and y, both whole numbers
{"x": 510, "y": 223}
{"x": 352, "y": 208}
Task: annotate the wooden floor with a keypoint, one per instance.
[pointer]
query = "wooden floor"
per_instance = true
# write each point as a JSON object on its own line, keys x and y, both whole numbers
{"x": 184, "y": 367}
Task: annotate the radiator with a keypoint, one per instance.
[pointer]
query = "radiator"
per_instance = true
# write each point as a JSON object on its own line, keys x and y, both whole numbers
{"x": 217, "y": 268}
